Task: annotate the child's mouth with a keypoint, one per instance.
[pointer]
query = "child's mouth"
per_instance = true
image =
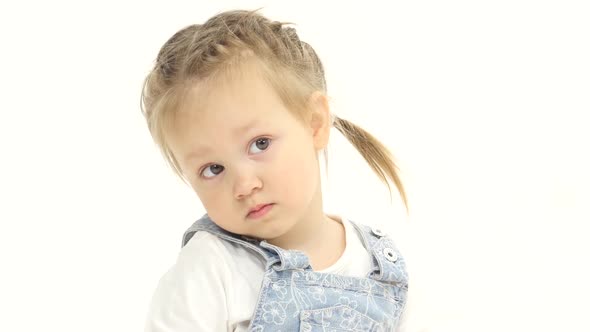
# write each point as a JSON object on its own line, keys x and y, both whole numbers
{"x": 260, "y": 211}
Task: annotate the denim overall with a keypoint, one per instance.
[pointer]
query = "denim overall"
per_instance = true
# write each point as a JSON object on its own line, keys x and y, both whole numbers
{"x": 293, "y": 297}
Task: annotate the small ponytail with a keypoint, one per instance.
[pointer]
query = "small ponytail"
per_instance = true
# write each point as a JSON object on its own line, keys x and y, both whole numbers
{"x": 374, "y": 153}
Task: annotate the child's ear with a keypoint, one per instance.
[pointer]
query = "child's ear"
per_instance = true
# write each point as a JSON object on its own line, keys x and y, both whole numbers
{"x": 320, "y": 119}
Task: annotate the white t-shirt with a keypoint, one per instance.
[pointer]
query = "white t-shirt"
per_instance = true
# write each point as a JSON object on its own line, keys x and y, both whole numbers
{"x": 214, "y": 285}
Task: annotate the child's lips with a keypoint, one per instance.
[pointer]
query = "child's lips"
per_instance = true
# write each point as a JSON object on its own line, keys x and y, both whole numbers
{"x": 260, "y": 210}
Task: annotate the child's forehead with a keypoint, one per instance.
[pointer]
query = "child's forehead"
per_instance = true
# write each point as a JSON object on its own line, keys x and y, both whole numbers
{"x": 248, "y": 92}
{"x": 227, "y": 109}
{"x": 227, "y": 112}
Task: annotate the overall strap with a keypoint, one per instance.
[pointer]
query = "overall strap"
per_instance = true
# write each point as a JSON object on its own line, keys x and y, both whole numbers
{"x": 206, "y": 224}
{"x": 288, "y": 259}
{"x": 388, "y": 263}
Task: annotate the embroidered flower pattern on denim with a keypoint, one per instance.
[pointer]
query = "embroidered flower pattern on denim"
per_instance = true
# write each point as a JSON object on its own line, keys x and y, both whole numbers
{"x": 318, "y": 294}
{"x": 280, "y": 288}
{"x": 274, "y": 312}
{"x": 293, "y": 297}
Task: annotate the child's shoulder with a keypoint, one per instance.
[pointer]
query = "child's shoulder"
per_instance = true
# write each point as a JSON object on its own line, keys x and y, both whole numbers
{"x": 200, "y": 268}
{"x": 204, "y": 253}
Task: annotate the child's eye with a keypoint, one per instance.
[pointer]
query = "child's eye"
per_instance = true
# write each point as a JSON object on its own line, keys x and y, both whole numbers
{"x": 260, "y": 144}
{"x": 213, "y": 169}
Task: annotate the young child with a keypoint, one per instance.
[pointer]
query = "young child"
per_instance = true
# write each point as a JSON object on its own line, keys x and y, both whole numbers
{"x": 238, "y": 107}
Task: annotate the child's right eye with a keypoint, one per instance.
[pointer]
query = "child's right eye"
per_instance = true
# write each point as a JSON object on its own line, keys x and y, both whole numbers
{"x": 213, "y": 169}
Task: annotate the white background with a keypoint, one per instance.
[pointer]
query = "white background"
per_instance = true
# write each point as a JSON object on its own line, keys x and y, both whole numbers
{"x": 484, "y": 104}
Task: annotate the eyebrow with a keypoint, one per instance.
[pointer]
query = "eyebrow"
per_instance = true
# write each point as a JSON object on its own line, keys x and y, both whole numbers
{"x": 237, "y": 131}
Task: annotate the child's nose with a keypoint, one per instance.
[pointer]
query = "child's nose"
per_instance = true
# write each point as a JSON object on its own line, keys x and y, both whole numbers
{"x": 246, "y": 182}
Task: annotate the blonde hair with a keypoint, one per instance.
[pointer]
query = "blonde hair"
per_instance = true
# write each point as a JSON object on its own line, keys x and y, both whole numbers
{"x": 201, "y": 53}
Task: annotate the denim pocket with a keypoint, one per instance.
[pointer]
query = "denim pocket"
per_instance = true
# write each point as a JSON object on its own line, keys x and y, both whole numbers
{"x": 337, "y": 318}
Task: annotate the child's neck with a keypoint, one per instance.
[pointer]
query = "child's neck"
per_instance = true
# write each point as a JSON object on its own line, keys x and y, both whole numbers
{"x": 331, "y": 246}
{"x": 321, "y": 238}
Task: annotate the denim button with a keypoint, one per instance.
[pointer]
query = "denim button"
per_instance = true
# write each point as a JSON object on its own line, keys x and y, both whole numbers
{"x": 378, "y": 232}
{"x": 390, "y": 254}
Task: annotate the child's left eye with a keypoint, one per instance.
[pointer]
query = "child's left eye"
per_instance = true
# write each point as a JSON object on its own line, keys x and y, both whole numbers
{"x": 261, "y": 144}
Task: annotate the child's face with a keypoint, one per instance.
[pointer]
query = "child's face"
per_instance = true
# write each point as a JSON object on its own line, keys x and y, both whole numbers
{"x": 233, "y": 168}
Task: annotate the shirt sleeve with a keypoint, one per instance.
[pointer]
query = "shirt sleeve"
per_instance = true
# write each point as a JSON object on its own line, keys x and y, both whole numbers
{"x": 191, "y": 296}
